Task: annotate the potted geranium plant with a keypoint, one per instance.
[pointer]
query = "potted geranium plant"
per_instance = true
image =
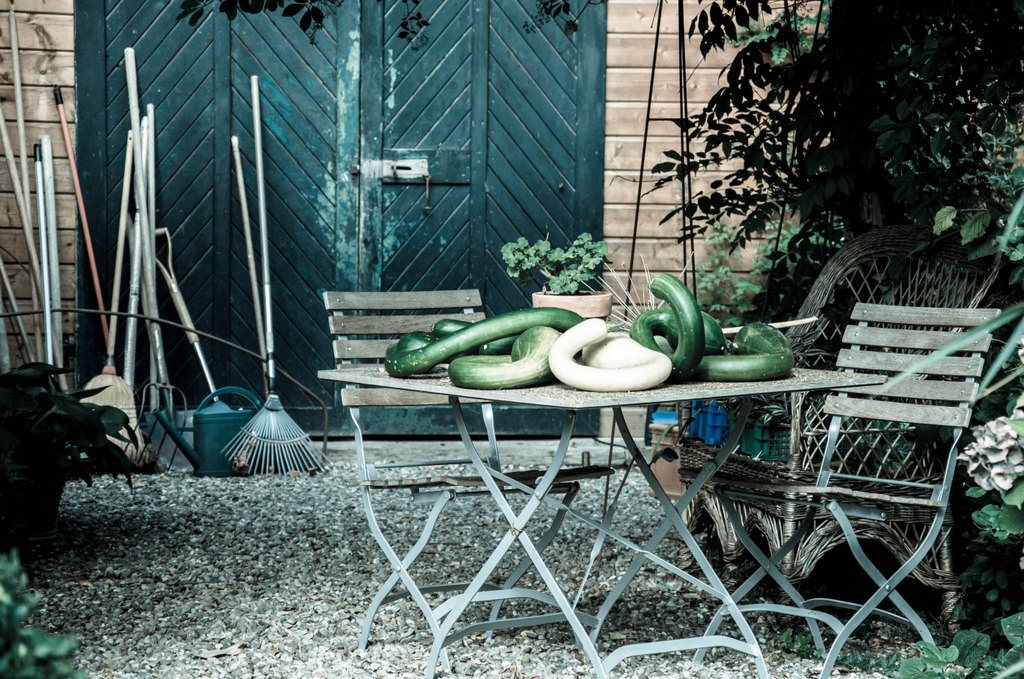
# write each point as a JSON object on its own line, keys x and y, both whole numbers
{"x": 563, "y": 273}
{"x": 48, "y": 435}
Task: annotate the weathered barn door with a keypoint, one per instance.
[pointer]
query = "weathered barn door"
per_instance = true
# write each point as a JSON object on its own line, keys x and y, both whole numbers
{"x": 389, "y": 165}
{"x": 489, "y": 131}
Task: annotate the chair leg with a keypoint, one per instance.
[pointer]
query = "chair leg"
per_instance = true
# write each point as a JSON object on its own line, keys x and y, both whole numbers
{"x": 400, "y": 567}
{"x": 886, "y": 586}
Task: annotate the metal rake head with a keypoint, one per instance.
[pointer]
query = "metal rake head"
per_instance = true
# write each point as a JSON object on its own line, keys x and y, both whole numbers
{"x": 271, "y": 442}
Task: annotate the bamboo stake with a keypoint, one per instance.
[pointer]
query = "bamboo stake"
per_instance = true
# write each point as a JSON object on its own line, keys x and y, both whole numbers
{"x": 26, "y": 222}
{"x": 19, "y": 105}
{"x": 86, "y": 235}
{"x": 780, "y": 324}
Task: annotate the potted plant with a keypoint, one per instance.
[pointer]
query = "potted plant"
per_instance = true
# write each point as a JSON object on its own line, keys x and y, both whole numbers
{"x": 48, "y": 435}
{"x": 561, "y": 272}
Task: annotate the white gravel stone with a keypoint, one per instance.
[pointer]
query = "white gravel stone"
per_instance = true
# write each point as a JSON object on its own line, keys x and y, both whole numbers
{"x": 189, "y": 577}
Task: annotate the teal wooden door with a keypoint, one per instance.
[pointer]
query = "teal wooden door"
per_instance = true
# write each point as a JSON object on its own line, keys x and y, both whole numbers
{"x": 505, "y": 118}
{"x": 489, "y": 131}
{"x": 507, "y": 122}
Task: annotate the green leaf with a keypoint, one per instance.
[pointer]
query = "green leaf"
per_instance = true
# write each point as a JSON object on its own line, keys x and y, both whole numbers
{"x": 1017, "y": 426}
{"x": 944, "y": 219}
{"x": 1011, "y": 519}
{"x": 973, "y": 645}
{"x": 1013, "y": 628}
{"x": 1015, "y": 496}
{"x": 975, "y": 227}
{"x": 913, "y": 668}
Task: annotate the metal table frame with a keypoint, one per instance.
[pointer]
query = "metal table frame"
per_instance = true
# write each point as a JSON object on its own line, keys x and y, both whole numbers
{"x": 586, "y": 627}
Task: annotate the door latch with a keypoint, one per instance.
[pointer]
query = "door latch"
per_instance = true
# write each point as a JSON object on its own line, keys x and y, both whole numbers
{"x": 405, "y": 168}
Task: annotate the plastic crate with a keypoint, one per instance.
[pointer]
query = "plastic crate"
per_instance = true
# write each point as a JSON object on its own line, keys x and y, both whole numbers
{"x": 766, "y": 442}
{"x": 710, "y": 422}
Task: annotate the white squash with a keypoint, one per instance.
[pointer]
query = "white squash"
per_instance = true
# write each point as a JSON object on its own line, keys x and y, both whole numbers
{"x": 654, "y": 369}
{"x": 616, "y": 350}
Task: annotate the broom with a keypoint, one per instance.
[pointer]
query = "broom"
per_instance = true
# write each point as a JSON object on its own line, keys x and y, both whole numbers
{"x": 271, "y": 441}
{"x": 116, "y": 390}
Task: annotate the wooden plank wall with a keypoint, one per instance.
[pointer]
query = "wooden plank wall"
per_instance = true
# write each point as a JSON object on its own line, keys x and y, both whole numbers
{"x": 45, "y": 31}
{"x": 631, "y": 42}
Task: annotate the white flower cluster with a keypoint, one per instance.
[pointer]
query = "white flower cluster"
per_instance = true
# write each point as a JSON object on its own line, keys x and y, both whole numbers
{"x": 996, "y": 457}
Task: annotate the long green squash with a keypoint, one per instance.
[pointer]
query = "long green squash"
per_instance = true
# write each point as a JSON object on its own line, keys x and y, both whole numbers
{"x": 415, "y": 361}
{"x": 527, "y": 364}
{"x": 689, "y": 323}
{"x": 762, "y": 353}
{"x": 661, "y": 323}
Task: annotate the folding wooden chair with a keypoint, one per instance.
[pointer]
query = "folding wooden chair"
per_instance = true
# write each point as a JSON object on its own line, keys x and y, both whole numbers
{"x": 889, "y": 459}
{"x": 364, "y": 324}
{"x": 901, "y": 265}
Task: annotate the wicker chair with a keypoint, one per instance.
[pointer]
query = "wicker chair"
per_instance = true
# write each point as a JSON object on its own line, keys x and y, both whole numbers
{"x": 900, "y": 265}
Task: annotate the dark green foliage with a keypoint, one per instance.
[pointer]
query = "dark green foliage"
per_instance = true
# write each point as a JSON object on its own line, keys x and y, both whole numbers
{"x": 844, "y": 115}
{"x": 311, "y": 13}
{"x": 50, "y": 434}
{"x": 564, "y": 269}
{"x": 28, "y": 652}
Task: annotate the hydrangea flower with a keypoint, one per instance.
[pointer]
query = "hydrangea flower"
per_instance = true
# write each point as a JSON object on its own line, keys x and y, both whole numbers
{"x": 996, "y": 456}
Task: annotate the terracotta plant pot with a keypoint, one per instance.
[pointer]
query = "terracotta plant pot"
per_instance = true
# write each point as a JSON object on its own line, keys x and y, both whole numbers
{"x": 588, "y": 304}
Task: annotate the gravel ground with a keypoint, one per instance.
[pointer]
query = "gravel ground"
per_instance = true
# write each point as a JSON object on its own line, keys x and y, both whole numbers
{"x": 192, "y": 577}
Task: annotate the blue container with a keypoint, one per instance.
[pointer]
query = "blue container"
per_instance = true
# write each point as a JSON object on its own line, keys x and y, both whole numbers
{"x": 710, "y": 422}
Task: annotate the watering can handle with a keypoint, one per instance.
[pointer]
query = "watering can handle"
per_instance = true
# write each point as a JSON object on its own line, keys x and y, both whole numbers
{"x": 229, "y": 390}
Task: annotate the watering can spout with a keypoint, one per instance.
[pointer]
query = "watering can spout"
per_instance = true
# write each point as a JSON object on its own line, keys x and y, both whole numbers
{"x": 183, "y": 445}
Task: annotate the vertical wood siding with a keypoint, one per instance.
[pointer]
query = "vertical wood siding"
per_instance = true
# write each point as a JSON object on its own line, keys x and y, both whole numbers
{"x": 46, "y": 51}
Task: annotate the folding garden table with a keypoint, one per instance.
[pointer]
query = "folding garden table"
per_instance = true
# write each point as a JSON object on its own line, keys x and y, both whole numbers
{"x": 586, "y": 626}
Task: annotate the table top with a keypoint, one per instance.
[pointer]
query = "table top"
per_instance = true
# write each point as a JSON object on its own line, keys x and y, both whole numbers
{"x": 557, "y": 395}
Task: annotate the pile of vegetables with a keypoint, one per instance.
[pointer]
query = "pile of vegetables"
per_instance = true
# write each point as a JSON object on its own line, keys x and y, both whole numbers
{"x": 533, "y": 346}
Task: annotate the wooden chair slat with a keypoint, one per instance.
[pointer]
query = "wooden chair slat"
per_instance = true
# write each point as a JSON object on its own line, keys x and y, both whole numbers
{"x": 935, "y": 390}
{"x": 391, "y": 301}
{"x": 873, "y": 336}
{"x": 398, "y": 324}
{"x": 345, "y": 350}
{"x": 926, "y": 316}
{"x": 893, "y": 411}
{"x": 881, "y": 361}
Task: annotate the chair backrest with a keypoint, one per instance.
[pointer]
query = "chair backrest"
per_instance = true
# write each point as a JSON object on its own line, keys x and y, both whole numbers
{"x": 907, "y": 430}
{"x": 364, "y": 324}
{"x": 902, "y": 265}
{"x": 896, "y": 265}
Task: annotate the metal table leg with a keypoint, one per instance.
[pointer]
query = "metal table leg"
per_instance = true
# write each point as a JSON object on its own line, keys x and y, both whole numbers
{"x": 517, "y": 533}
{"x": 711, "y": 584}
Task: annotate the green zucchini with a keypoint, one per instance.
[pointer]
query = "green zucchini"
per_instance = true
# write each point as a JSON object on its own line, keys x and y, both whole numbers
{"x": 762, "y": 353}
{"x": 525, "y": 366}
{"x": 423, "y": 359}
{"x": 714, "y": 339}
{"x": 410, "y": 341}
{"x": 744, "y": 367}
{"x": 761, "y": 338}
{"x": 447, "y": 326}
{"x": 660, "y": 324}
{"x": 502, "y": 345}
{"x": 689, "y": 325}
